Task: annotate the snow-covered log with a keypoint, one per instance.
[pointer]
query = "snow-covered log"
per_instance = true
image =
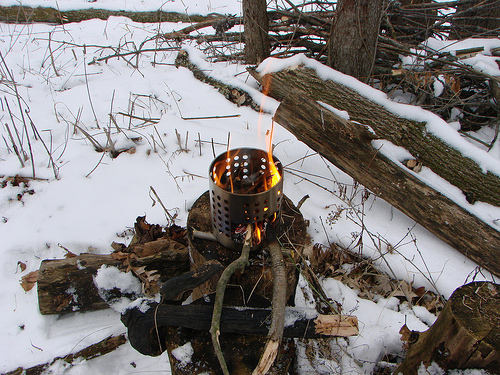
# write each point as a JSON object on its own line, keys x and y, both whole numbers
{"x": 348, "y": 145}
{"x": 67, "y": 285}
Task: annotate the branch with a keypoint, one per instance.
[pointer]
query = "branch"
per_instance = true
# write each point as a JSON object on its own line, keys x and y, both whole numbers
{"x": 238, "y": 264}
{"x": 278, "y": 305}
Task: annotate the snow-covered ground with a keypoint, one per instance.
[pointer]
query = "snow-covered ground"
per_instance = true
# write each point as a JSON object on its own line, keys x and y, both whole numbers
{"x": 95, "y": 199}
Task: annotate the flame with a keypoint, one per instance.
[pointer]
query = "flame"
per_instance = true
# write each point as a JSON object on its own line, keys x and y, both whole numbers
{"x": 257, "y": 233}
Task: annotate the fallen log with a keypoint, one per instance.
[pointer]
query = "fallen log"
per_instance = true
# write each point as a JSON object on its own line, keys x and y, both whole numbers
{"x": 466, "y": 334}
{"x": 146, "y": 330}
{"x": 26, "y": 14}
{"x": 432, "y": 152}
{"x": 348, "y": 145}
{"x": 67, "y": 285}
{"x": 90, "y": 352}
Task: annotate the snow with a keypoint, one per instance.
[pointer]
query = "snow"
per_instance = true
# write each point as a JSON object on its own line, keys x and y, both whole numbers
{"x": 95, "y": 199}
{"x": 183, "y": 353}
{"x": 109, "y": 278}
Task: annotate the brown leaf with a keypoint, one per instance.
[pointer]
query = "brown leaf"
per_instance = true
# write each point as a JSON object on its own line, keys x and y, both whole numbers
{"x": 405, "y": 333}
{"x": 28, "y": 281}
{"x": 420, "y": 291}
{"x": 68, "y": 254}
{"x": 22, "y": 266}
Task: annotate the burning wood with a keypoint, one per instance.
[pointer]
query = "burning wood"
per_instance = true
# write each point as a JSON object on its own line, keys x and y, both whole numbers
{"x": 245, "y": 188}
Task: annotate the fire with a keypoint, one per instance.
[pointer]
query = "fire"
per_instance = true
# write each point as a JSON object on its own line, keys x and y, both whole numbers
{"x": 241, "y": 174}
{"x": 248, "y": 189}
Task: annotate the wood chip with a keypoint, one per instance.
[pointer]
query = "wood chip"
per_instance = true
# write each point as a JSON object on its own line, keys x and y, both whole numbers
{"x": 337, "y": 325}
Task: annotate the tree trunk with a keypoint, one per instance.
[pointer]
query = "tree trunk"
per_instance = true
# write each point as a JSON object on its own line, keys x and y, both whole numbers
{"x": 466, "y": 334}
{"x": 353, "y": 41}
{"x": 257, "y": 47}
{"x": 348, "y": 145}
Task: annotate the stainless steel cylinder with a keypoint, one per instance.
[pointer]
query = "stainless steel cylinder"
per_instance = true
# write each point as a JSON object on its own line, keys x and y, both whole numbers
{"x": 246, "y": 187}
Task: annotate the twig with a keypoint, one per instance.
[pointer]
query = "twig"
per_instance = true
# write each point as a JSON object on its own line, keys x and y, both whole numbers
{"x": 152, "y": 120}
{"x": 275, "y": 334}
{"x": 98, "y": 349}
{"x": 98, "y": 163}
{"x": 52, "y": 62}
{"x": 203, "y": 235}
{"x": 14, "y": 146}
{"x": 238, "y": 264}
{"x": 55, "y": 169}
{"x": 171, "y": 218}
{"x": 210, "y": 117}
{"x": 88, "y": 88}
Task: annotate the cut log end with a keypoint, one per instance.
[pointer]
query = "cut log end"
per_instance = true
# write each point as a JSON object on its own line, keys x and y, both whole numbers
{"x": 466, "y": 334}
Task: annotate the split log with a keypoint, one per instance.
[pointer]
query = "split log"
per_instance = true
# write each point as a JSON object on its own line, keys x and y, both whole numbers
{"x": 466, "y": 334}
{"x": 146, "y": 330}
{"x": 67, "y": 285}
{"x": 348, "y": 145}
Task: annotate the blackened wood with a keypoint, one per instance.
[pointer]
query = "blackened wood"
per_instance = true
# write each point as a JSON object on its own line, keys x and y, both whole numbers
{"x": 348, "y": 145}
{"x": 466, "y": 334}
{"x": 174, "y": 288}
{"x": 142, "y": 327}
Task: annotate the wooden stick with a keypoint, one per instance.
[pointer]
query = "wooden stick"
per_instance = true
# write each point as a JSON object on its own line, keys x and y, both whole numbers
{"x": 238, "y": 264}
{"x": 275, "y": 334}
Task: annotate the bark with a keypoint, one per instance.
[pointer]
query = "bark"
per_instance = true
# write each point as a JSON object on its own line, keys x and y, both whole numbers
{"x": 257, "y": 46}
{"x": 348, "y": 145}
{"x": 67, "y": 285}
{"x": 465, "y": 335}
{"x": 25, "y": 14}
{"x": 353, "y": 41}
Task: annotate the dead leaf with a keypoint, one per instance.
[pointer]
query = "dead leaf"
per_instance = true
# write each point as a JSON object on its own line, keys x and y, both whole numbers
{"x": 404, "y": 290}
{"x": 405, "y": 333}
{"x": 68, "y": 254}
{"x": 420, "y": 291}
{"x": 22, "y": 266}
{"x": 239, "y": 98}
{"x": 28, "y": 281}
